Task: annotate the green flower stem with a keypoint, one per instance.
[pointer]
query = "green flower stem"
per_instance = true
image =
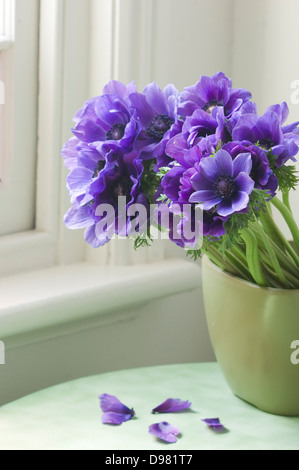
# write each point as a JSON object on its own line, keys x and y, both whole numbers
{"x": 240, "y": 253}
{"x": 286, "y": 199}
{"x": 288, "y": 217}
{"x": 294, "y": 280}
{"x": 270, "y": 227}
{"x": 290, "y": 272}
{"x": 214, "y": 259}
{"x": 272, "y": 255}
{"x": 273, "y": 278}
{"x": 253, "y": 258}
{"x": 239, "y": 266}
{"x": 276, "y": 235}
{"x": 285, "y": 261}
{"x": 226, "y": 263}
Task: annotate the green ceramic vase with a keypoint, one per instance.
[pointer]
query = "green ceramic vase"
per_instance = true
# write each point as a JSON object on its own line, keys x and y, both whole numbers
{"x": 253, "y": 332}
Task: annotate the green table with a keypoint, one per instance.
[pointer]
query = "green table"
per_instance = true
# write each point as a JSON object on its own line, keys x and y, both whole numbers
{"x": 68, "y": 416}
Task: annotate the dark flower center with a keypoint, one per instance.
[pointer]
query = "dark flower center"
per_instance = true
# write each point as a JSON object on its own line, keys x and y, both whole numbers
{"x": 225, "y": 187}
{"x": 266, "y": 144}
{"x": 116, "y": 132}
{"x": 204, "y": 132}
{"x": 254, "y": 174}
{"x": 208, "y": 107}
{"x": 100, "y": 166}
{"x": 159, "y": 125}
{"x": 123, "y": 187}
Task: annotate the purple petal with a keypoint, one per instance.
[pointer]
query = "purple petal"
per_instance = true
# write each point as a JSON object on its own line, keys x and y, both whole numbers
{"x": 172, "y": 404}
{"x": 198, "y": 196}
{"x": 156, "y": 98}
{"x": 290, "y": 127}
{"x": 69, "y": 153}
{"x": 115, "y": 87}
{"x": 214, "y": 423}
{"x": 225, "y": 208}
{"x": 110, "y": 403}
{"x": 110, "y": 110}
{"x": 145, "y": 112}
{"x": 90, "y": 236}
{"x": 268, "y": 126}
{"x": 79, "y": 180}
{"x": 240, "y": 202}
{"x": 115, "y": 418}
{"x": 78, "y": 217}
{"x": 224, "y": 163}
{"x": 245, "y": 128}
{"x": 208, "y": 166}
{"x": 164, "y": 431}
{"x": 242, "y": 163}
{"x": 281, "y": 110}
{"x": 244, "y": 183}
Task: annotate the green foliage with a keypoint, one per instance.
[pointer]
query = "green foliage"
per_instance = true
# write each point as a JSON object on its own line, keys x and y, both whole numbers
{"x": 287, "y": 175}
{"x": 149, "y": 180}
{"x": 194, "y": 254}
{"x": 163, "y": 171}
{"x": 164, "y": 198}
{"x": 142, "y": 242}
{"x": 219, "y": 146}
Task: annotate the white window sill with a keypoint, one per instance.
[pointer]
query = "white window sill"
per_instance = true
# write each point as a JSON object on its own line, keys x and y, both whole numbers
{"x": 63, "y": 294}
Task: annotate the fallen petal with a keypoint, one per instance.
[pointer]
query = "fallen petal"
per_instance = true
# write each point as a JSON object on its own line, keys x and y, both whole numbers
{"x": 115, "y": 418}
{"x": 172, "y": 404}
{"x": 114, "y": 411}
{"x": 164, "y": 431}
{"x": 214, "y": 423}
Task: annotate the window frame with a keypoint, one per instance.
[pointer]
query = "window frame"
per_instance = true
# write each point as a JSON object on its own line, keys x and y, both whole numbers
{"x": 7, "y": 38}
{"x": 44, "y": 246}
{"x": 18, "y": 141}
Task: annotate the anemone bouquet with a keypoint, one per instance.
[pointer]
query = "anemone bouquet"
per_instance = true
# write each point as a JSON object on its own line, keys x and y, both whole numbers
{"x": 201, "y": 165}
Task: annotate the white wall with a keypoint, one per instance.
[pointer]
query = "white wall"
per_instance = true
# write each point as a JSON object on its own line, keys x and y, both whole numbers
{"x": 168, "y": 331}
{"x": 190, "y": 38}
{"x": 265, "y": 55}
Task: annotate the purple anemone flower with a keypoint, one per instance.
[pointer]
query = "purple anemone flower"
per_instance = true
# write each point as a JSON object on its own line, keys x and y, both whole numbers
{"x": 164, "y": 431}
{"x": 261, "y": 172}
{"x": 213, "y": 225}
{"x": 266, "y": 131}
{"x": 172, "y": 404}
{"x": 212, "y": 92}
{"x": 170, "y": 184}
{"x": 84, "y": 164}
{"x": 201, "y": 124}
{"x": 114, "y": 412}
{"x": 116, "y": 186}
{"x": 157, "y": 113}
{"x": 223, "y": 183}
{"x": 108, "y": 118}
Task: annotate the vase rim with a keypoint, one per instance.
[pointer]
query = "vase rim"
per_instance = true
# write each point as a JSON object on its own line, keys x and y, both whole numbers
{"x": 277, "y": 290}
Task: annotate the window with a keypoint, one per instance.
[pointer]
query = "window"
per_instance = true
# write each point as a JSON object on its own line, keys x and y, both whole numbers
{"x": 19, "y": 59}
{"x": 41, "y": 97}
{"x": 48, "y": 274}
